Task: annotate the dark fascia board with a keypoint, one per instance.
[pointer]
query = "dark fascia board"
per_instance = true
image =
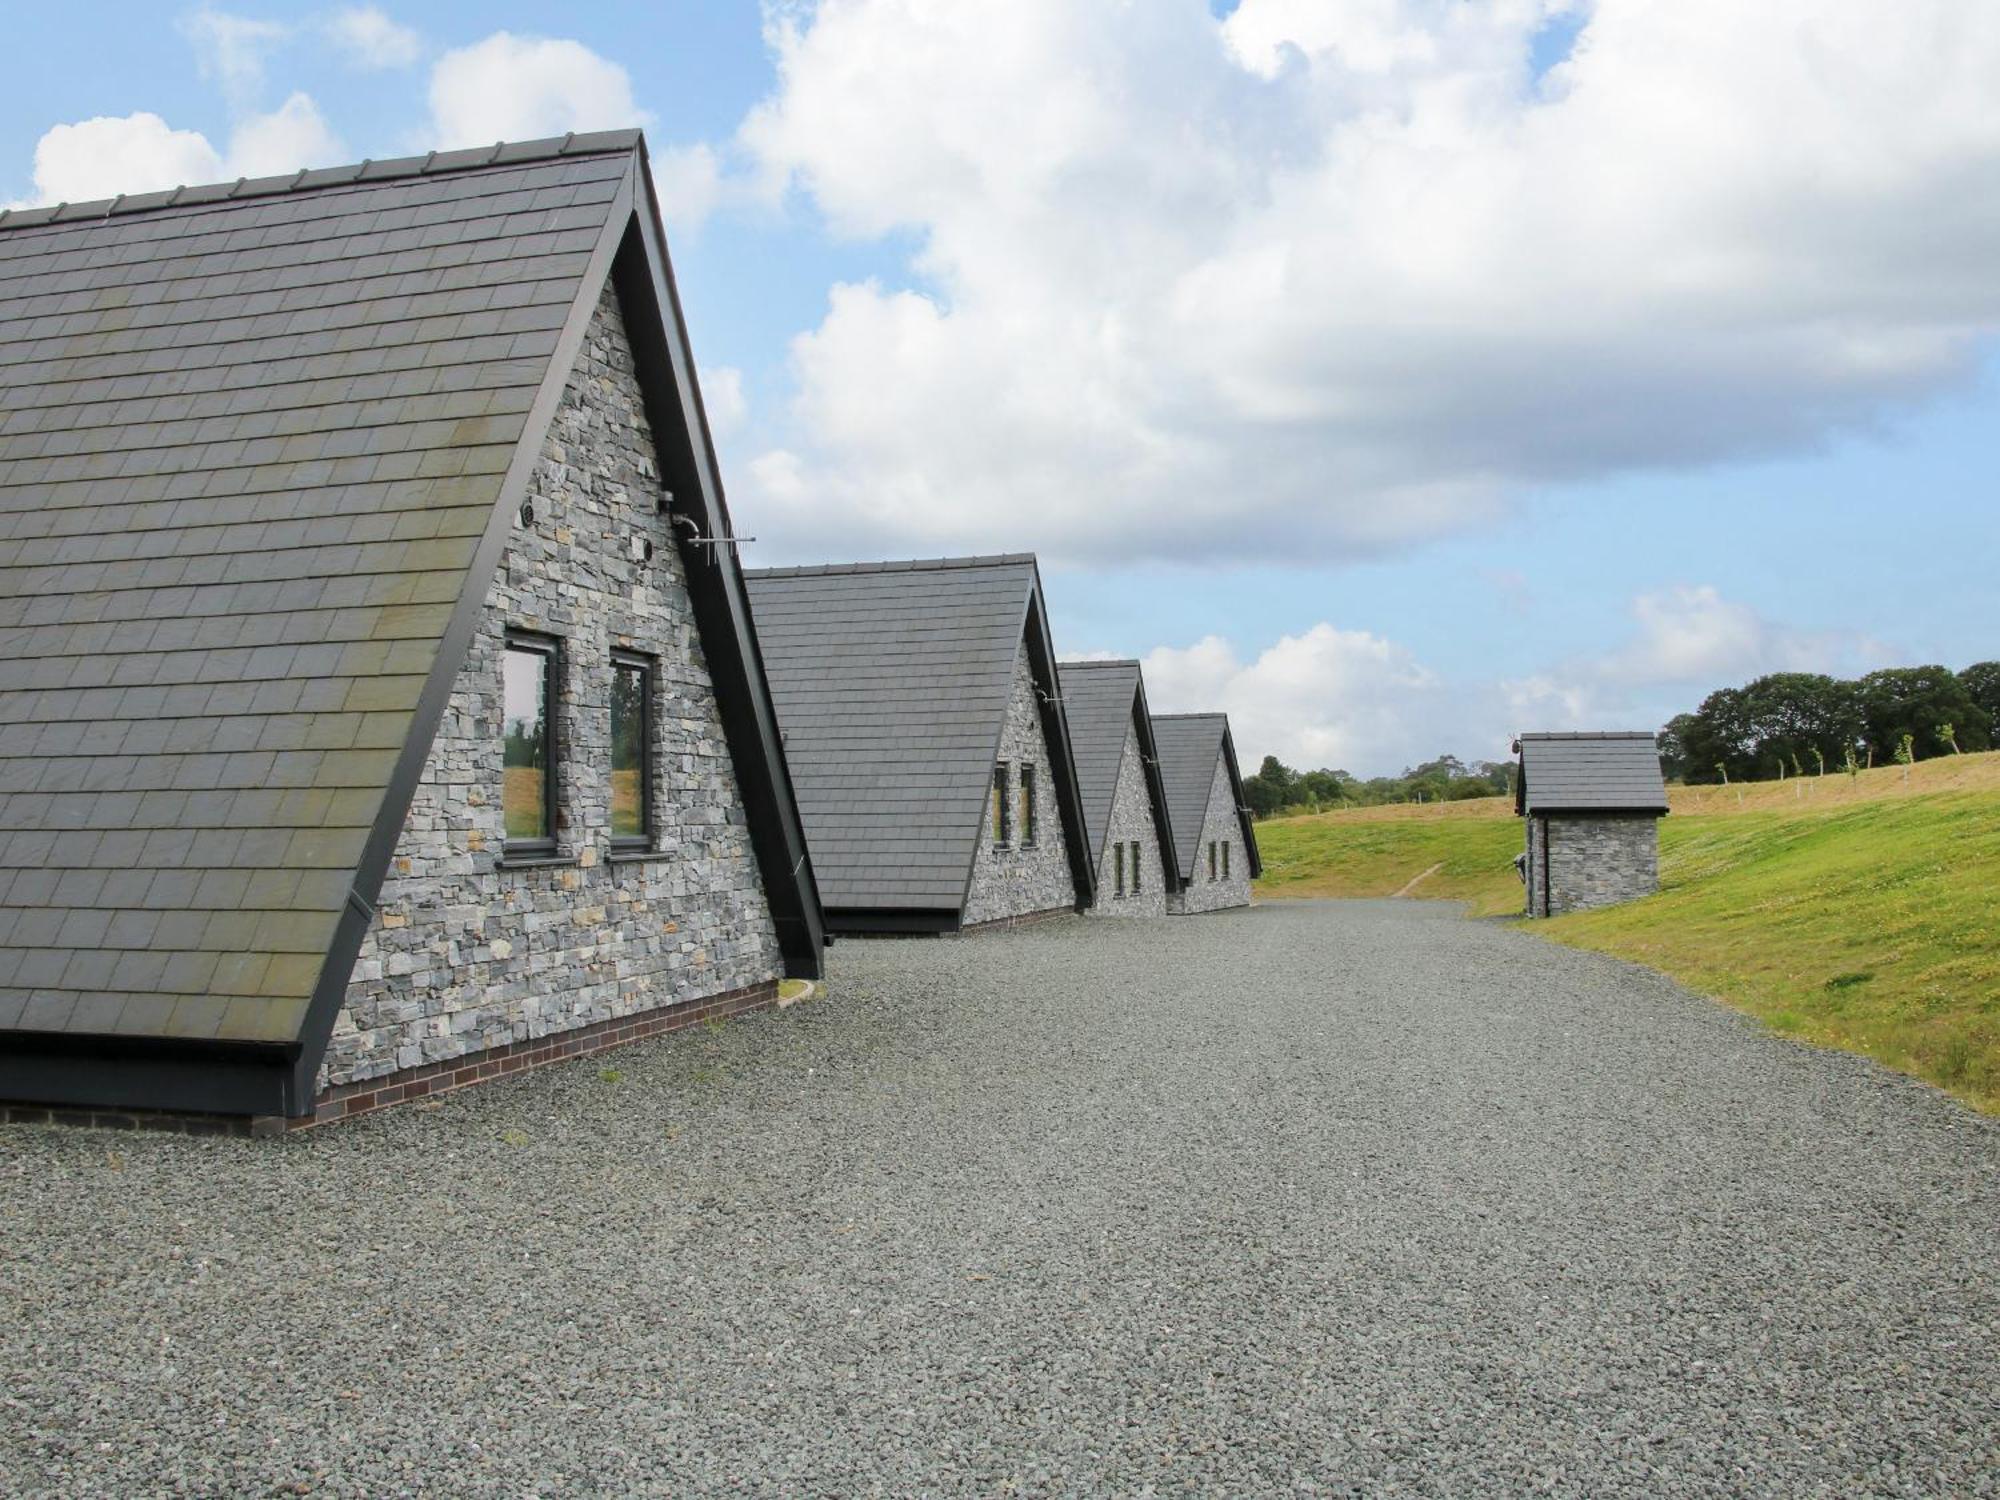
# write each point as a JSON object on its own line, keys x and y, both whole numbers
{"x": 359, "y": 912}
{"x": 86, "y": 1071}
{"x": 1156, "y": 787}
{"x": 1243, "y": 818}
{"x": 1062, "y": 756}
{"x": 892, "y": 921}
{"x": 691, "y": 470}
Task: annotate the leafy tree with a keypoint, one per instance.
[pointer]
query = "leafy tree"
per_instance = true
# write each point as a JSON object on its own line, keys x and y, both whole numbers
{"x": 1913, "y": 701}
{"x": 1672, "y": 741}
{"x": 1982, "y": 681}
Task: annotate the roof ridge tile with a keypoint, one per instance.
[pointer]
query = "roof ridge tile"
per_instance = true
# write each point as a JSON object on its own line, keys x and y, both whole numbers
{"x": 307, "y": 180}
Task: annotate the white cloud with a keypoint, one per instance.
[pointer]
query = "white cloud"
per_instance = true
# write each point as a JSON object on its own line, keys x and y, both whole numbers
{"x": 368, "y": 38}
{"x": 291, "y": 136}
{"x": 1686, "y": 641}
{"x": 688, "y": 182}
{"x": 139, "y": 153}
{"x": 1355, "y": 701}
{"x": 1346, "y": 699}
{"x": 723, "y": 398}
{"x": 232, "y": 50}
{"x": 510, "y": 88}
{"x": 1321, "y": 280}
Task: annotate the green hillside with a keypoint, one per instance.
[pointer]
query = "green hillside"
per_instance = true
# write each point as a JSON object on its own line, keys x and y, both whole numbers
{"x": 1860, "y": 914}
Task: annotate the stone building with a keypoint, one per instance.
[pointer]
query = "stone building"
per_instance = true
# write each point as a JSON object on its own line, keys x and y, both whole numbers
{"x": 1592, "y": 805}
{"x": 926, "y": 736}
{"x": 382, "y": 709}
{"x": 1124, "y": 800}
{"x": 1215, "y": 844}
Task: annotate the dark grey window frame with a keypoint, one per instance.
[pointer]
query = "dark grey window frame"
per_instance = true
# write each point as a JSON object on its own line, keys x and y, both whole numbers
{"x": 1025, "y": 790}
{"x": 999, "y": 799}
{"x": 1211, "y": 861}
{"x": 1118, "y": 891}
{"x": 1225, "y": 859}
{"x": 1135, "y": 867}
{"x": 648, "y": 668}
{"x": 549, "y": 648}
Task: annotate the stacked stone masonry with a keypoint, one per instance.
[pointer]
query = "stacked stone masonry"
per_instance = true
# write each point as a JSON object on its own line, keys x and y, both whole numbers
{"x": 465, "y": 956}
{"x": 1131, "y": 824}
{"x": 1221, "y": 826}
{"x": 1592, "y": 861}
{"x": 1017, "y": 878}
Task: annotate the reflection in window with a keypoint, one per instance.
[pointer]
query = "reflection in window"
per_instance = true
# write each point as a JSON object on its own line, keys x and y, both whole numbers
{"x": 631, "y": 750}
{"x": 528, "y": 786}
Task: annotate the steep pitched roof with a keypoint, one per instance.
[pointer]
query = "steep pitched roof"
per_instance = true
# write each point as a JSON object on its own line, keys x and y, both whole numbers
{"x": 260, "y": 448}
{"x": 892, "y": 682}
{"x": 1105, "y": 702}
{"x": 1607, "y": 772}
{"x": 1190, "y": 745}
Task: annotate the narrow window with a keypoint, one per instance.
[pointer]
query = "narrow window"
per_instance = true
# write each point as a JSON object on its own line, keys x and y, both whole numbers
{"x": 631, "y": 750}
{"x": 1135, "y": 867}
{"x": 999, "y": 809}
{"x": 528, "y": 786}
{"x": 1027, "y": 806}
{"x": 1211, "y": 859}
{"x": 1120, "y": 851}
{"x": 1225, "y": 859}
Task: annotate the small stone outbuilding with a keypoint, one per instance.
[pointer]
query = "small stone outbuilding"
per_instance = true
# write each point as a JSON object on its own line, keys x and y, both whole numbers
{"x": 380, "y": 710}
{"x": 1215, "y": 844}
{"x": 1124, "y": 798}
{"x": 1592, "y": 805}
{"x": 924, "y": 726}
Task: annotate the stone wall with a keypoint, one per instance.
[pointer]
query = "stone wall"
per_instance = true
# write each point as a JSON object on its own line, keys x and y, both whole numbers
{"x": 1219, "y": 826}
{"x": 464, "y": 956}
{"x": 1009, "y": 880}
{"x": 1593, "y": 861}
{"x": 1131, "y": 821}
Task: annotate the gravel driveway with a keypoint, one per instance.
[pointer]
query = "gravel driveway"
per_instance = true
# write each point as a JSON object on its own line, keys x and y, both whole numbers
{"x": 1343, "y": 1197}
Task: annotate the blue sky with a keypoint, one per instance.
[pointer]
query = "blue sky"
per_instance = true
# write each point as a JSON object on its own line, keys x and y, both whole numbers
{"x": 1396, "y": 381}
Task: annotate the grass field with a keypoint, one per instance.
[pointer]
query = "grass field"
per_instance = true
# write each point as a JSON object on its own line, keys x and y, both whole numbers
{"x": 1855, "y": 912}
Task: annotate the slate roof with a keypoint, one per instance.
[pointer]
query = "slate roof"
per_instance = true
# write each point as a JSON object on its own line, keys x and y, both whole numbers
{"x": 1105, "y": 702}
{"x": 1610, "y": 772}
{"x": 254, "y": 444}
{"x": 1189, "y": 745}
{"x": 892, "y": 682}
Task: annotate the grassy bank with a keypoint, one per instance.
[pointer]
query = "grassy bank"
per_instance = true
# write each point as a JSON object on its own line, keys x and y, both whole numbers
{"x": 1859, "y": 912}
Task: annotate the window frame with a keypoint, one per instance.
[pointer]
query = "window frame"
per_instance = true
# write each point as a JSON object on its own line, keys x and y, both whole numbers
{"x": 1225, "y": 859}
{"x": 549, "y": 649}
{"x": 648, "y": 669}
{"x": 1024, "y": 791}
{"x": 1211, "y": 861}
{"x": 998, "y": 808}
{"x": 1135, "y": 867}
{"x": 1118, "y": 892}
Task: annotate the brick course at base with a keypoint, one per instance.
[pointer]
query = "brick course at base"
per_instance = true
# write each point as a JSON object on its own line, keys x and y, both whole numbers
{"x": 348, "y": 1100}
{"x": 428, "y": 1081}
{"x": 1593, "y": 861}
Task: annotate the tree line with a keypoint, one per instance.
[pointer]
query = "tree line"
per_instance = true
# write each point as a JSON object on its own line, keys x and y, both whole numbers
{"x": 1805, "y": 723}
{"x": 1277, "y": 788}
{"x": 1783, "y": 724}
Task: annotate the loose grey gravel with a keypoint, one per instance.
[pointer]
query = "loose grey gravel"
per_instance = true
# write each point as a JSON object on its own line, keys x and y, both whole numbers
{"x": 1352, "y": 1198}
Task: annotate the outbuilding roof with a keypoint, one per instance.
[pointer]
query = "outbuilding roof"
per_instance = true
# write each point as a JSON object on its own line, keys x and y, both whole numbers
{"x": 1189, "y": 747}
{"x": 1105, "y": 702}
{"x": 892, "y": 682}
{"x": 260, "y": 450}
{"x": 1589, "y": 772}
